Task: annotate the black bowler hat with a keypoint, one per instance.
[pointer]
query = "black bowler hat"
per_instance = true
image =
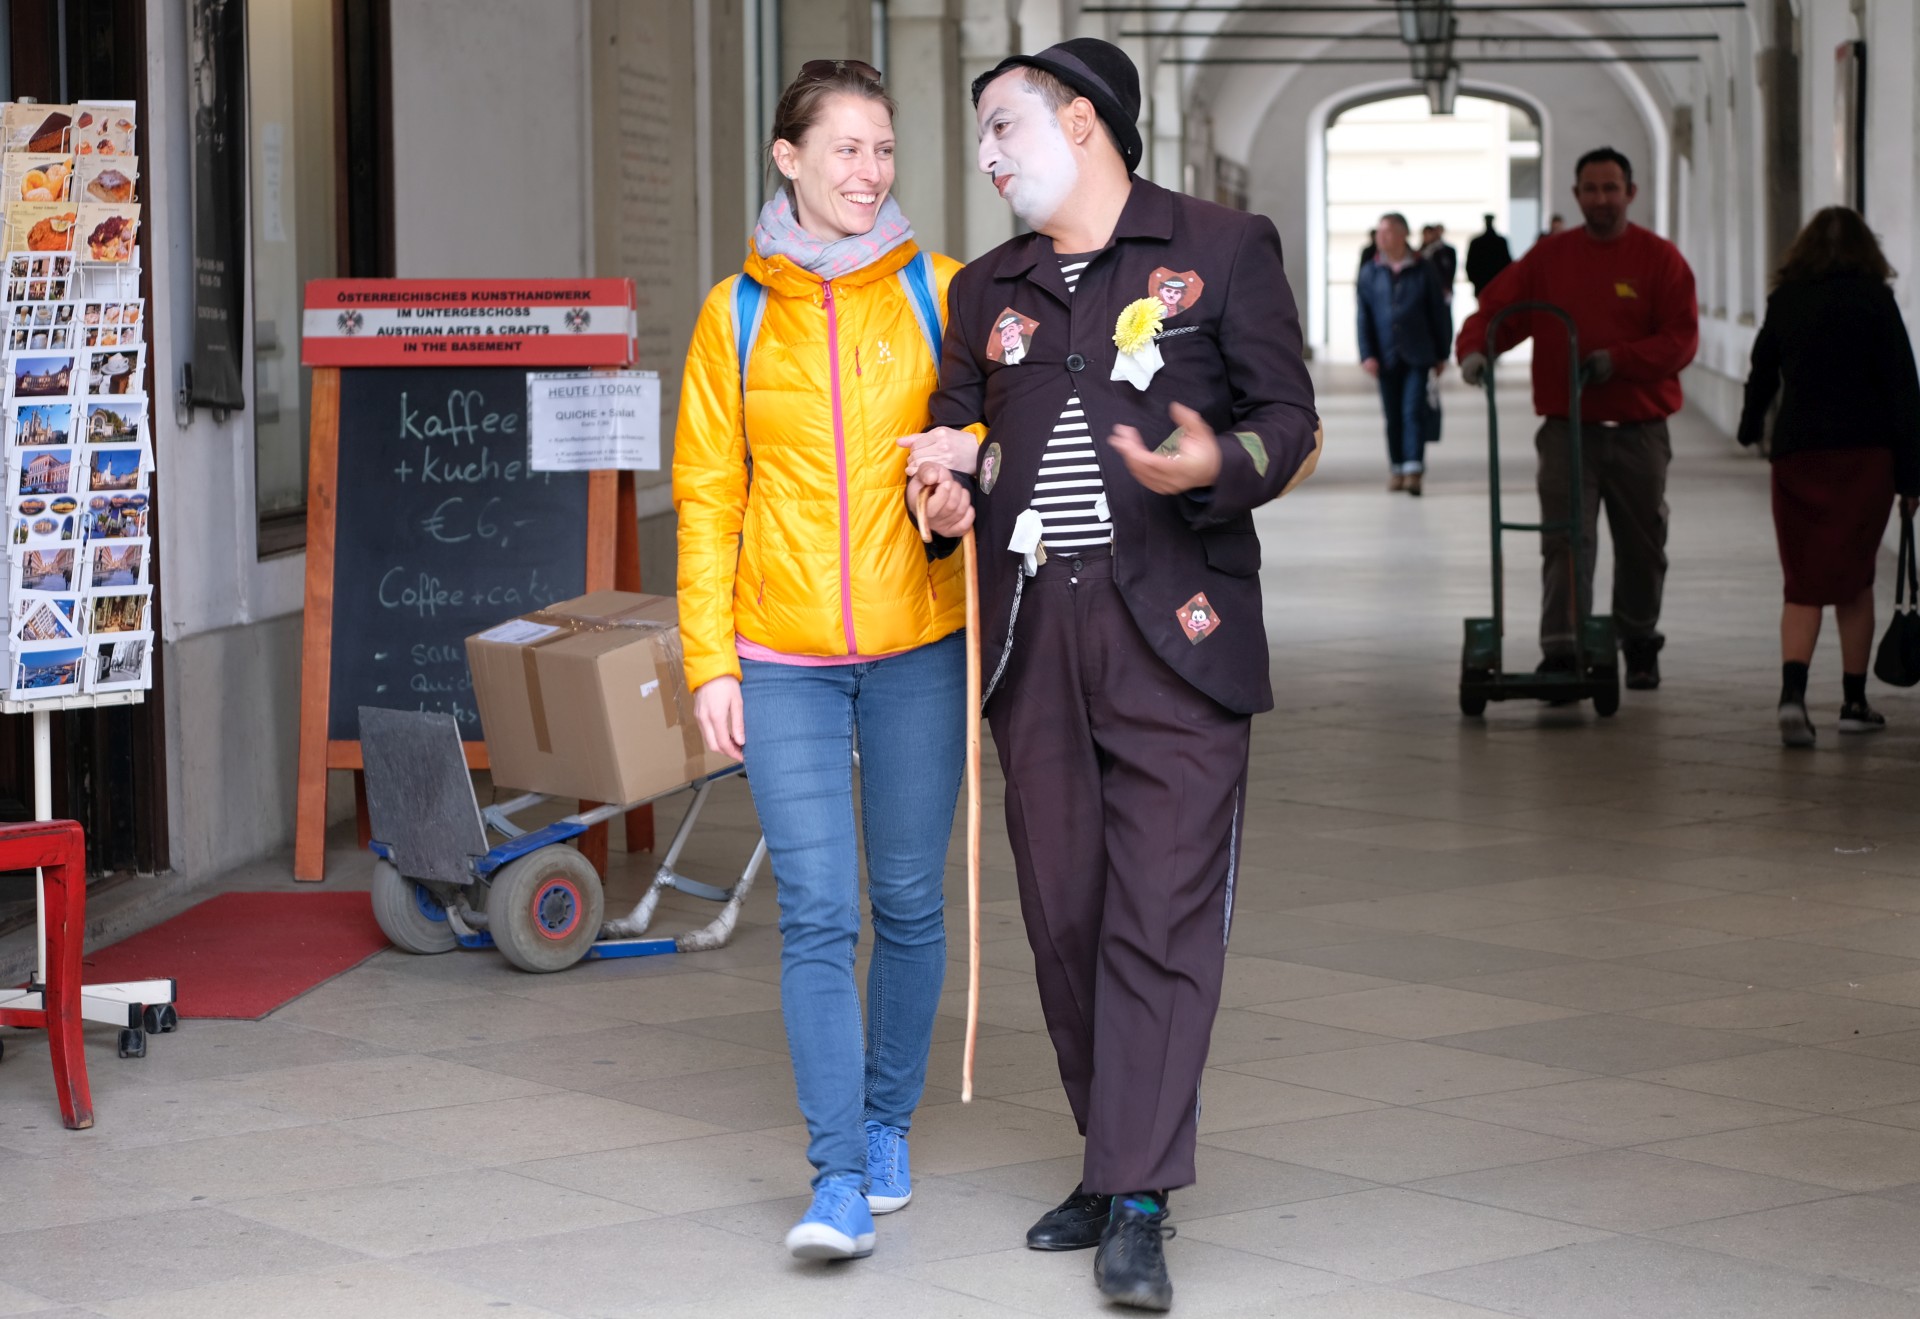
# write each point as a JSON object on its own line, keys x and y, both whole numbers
{"x": 1099, "y": 71}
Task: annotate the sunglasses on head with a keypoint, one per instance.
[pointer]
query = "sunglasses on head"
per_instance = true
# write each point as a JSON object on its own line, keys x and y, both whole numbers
{"x": 819, "y": 70}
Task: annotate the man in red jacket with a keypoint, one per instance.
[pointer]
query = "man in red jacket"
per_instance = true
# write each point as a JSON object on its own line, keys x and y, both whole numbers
{"x": 1630, "y": 294}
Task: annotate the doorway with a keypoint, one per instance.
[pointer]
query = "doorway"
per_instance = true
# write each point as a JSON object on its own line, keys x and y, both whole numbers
{"x": 1392, "y": 153}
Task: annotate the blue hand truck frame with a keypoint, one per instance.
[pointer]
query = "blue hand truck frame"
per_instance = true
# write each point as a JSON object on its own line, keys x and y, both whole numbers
{"x": 441, "y": 881}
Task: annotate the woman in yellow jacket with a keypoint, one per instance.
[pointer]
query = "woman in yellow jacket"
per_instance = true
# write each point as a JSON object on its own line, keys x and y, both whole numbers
{"x": 814, "y": 620}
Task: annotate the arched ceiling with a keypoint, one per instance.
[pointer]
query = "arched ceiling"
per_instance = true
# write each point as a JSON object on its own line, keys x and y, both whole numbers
{"x": 1236, "y": 97}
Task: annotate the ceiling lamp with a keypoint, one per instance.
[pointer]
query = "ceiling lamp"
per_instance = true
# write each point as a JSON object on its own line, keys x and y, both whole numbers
{"x": 1442, "y": 91}
{"x": 1425, "y": 22}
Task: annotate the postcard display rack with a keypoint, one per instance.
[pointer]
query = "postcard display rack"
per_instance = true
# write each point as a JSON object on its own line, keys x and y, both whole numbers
{"x": 78, "y": 455}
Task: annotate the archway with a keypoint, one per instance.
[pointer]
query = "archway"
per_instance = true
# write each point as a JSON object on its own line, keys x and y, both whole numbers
{"x": 1382, "y": 149}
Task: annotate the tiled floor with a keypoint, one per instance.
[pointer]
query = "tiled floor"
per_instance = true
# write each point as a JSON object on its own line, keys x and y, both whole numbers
{"x": 1536, "y": 1016}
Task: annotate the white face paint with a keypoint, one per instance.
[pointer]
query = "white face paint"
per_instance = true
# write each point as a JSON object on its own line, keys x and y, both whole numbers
{"x": 1024, "y": 150}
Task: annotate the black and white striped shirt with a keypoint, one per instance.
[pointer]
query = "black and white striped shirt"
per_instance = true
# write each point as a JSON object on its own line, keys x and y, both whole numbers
{"x": 1069, "y": 495}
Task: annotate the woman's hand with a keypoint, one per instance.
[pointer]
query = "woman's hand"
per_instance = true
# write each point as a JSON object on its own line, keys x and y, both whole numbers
{"x": 722, "y": 716}
{"x": 955, "y": 450}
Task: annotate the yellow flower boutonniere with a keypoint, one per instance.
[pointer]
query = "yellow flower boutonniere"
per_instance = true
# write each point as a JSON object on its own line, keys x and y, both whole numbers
{"x": 1139, "y": 324}
{"x": 1135, "y": 335}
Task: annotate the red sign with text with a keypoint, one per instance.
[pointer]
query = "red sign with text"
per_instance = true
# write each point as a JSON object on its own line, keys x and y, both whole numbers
{"x": 469, "y": 322}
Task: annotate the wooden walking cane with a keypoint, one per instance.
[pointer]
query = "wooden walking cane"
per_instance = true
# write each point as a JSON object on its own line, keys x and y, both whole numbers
{"x": 973, "y": 795}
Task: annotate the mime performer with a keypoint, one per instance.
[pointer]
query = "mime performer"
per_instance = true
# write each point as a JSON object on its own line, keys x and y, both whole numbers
{"x": 1120, "y": 463}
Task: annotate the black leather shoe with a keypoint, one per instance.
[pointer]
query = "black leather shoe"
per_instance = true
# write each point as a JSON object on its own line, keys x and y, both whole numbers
{"x": 1131, "y": 1266}
{"x": 1076, "y": 1224}
{"x": 1643, "y": 663}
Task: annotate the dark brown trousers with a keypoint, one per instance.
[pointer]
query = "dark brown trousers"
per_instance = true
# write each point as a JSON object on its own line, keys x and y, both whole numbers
{"x": 1125, "y": 790}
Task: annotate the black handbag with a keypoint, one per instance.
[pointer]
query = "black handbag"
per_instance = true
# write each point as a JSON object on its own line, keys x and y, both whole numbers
{"x": 1897, "y": 662}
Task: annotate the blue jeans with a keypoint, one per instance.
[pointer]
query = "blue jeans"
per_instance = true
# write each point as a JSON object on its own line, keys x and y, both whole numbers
{"x": 1411, "y": 423}
{"x": 909, "y": 715}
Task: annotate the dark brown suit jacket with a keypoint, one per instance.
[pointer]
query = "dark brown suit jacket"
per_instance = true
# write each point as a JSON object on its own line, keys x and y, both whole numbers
{"x": 1232, "y": 353}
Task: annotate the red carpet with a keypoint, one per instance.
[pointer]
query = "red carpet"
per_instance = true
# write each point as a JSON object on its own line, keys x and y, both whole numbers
{"x": 242, "y": 955}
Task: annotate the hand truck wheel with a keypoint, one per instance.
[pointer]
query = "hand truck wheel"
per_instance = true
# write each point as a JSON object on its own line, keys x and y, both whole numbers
{"x": 410, "y": 914}
{"x": 133, "y": 1043}
{"x": 160, "y": 1019}
{"x": 1606, "y": 697}
{"x": 545, "y": 909}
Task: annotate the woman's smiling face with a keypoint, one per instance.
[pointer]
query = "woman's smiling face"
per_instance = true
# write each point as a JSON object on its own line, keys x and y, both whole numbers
{"x": 842, "y": 168}
{"x": 1023, "y": 149}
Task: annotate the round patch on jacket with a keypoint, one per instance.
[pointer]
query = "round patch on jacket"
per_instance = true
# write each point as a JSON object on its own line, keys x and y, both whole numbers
{"x": 989, "y": 469}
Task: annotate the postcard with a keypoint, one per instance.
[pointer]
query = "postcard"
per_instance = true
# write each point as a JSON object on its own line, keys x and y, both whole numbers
{"x": 120, "y": 664}
{"x": 46, "y": 570}
{"x": 117, "y": 563}
{"x": 119, "y": 610}
{"x": 107, "y": 231}
{"x": 44, "y": 617}
{"x": 43, "y": 377}
{"x": 103, "y": 128}
{"x": 44, "y": 520}
{"x": 120, "y": 467}
{"x": 116, "y": 423}
{"x": 41, "y": 425}
{"x": 45, "y": 472}
{"x": 46, "y": 668}
{"x": 61, "y": 336}
{"x": 105, "y": 178}
{"x": 36, "y": 176}
{"x": 116, "y": 516}
{"x": 36, "y": 128}
{"x": 41, "y": 226}
{"x": 115, "y": 371}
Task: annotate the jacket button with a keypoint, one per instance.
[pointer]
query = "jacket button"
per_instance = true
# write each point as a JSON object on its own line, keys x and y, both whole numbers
{"x": 1076, "y": 363}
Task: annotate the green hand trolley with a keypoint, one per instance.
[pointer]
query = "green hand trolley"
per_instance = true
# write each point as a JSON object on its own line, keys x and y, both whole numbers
{"x": 1595, "y": 674}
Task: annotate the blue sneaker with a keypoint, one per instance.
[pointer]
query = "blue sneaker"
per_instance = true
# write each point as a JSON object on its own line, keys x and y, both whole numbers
{"x": 889, "y": 1179}
{"x": 838, "y": 1225}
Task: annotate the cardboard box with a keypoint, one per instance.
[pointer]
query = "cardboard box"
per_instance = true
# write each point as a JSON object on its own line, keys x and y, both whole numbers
{"x": 588, "y": 698}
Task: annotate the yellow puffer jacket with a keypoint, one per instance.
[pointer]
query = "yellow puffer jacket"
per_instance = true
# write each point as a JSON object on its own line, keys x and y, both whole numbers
{"x": 818, "y": 554}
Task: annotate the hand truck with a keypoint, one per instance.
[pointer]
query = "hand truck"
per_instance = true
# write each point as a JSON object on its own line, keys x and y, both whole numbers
{"x": 1595, "y": 673}
{"x": 440, "y": 882}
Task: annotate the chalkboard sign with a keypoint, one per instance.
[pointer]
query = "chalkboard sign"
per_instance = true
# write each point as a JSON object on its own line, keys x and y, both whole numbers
{"x": 441, "y": 532}
{"x": 424, "y": 526}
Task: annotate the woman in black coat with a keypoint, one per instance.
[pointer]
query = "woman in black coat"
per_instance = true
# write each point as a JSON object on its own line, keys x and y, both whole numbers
{"x": 1846, "y": 440}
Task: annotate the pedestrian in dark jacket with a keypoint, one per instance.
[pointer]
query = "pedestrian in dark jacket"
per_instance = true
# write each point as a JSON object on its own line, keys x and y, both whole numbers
{"x": 1437, "y": 252}
{"x": 1487, "y": 255}
{"x": 1405, "y": 329}
{"x": 1846, "y": 439}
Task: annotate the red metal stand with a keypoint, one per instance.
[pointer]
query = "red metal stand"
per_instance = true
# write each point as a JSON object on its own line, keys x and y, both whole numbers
{"x": 58, "y": 849}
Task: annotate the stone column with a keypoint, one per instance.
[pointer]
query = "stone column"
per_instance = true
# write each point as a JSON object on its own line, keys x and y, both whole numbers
{"x": 989, "y": 32}
{"x": 934, "y": 129}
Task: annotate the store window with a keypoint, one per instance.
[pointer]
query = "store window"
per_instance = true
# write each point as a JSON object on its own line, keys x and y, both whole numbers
{"x": 319, "y": 186}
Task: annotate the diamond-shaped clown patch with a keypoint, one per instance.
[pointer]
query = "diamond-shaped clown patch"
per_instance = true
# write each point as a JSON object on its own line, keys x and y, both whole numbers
{"x": 1198, "y": 618}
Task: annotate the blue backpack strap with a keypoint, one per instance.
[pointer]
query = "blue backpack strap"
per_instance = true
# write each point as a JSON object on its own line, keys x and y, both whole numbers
{"x": 749, "y": 307}
{"x": 917, "y": 278}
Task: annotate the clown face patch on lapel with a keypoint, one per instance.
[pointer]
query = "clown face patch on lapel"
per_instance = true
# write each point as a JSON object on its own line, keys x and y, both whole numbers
{"x": 1179, "y": 290}
{"x": 989, "y": 469}
{"x": 1012, "y": 337}
{"x": 1198, "y": 619}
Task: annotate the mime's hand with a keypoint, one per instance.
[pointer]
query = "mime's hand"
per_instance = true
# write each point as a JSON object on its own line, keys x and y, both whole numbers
{"x": 1194, "y": 462}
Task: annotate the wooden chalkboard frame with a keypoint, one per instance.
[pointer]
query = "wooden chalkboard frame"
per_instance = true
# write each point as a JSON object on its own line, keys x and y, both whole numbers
{"x": 612, "y": 564}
